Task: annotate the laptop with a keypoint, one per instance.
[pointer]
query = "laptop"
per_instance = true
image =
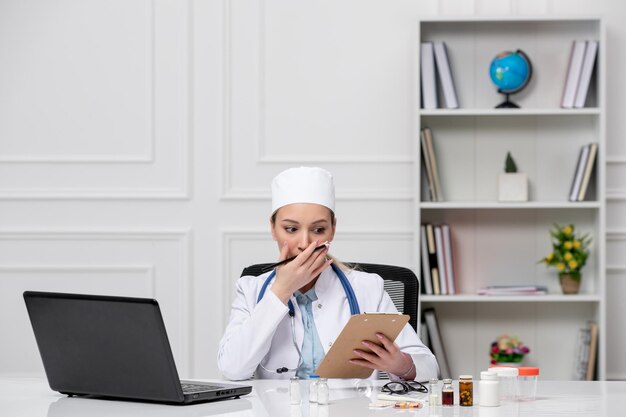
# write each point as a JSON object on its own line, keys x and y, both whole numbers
{"x": 108, "y": 346}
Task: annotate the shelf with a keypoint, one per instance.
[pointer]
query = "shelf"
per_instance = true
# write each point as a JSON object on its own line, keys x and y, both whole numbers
{"x": 510, "y": 112}
{"x": 498, "y": 205}
{"x": 507, "y": 18}
{"x": 500, "y": 243}
{"x": 550, "y": 298}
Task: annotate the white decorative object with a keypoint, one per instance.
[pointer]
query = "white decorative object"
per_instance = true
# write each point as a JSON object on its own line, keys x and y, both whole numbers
{"x": 513, "y": 187}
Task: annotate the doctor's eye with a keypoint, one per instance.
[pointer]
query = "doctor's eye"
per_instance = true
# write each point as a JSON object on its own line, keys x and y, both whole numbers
{"x": 319, "y": 230}
{"x": 290, "y": 229}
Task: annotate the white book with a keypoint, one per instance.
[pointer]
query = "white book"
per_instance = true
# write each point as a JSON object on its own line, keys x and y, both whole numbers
{"x": 436, "y": 341}
{"x": 441, "y": 261}
{"x": 447, "y": 246}
{"x": 580, "y": 359}
{"x": 424, "y": 334}
{"x": 593, "y": 351}
{"x": 445, "y": 76}
{"x": 429, "y": 86}
{"x": 589, "y": 163}
{"x": 426, "y": 278}
{"x": 585, "y": 76}
{"x": 573, "y": 74}
{"x": 578, "y": 174}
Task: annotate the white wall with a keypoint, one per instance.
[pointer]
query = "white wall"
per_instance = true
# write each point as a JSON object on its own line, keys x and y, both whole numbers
{"x": 138, "y": 140}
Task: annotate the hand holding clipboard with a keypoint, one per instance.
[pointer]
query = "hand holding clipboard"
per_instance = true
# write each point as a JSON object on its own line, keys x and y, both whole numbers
{"x": 360, "y": 327}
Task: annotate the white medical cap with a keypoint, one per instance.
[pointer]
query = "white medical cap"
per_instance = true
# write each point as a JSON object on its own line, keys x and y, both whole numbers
{"x": 303, "y": 185}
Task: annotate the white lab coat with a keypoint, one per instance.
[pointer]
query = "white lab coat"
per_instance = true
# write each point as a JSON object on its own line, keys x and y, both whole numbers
{"x": 261, "y": 333}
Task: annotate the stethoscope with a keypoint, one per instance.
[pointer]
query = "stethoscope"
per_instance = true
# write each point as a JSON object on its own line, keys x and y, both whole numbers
{"x": 352, "y": 302}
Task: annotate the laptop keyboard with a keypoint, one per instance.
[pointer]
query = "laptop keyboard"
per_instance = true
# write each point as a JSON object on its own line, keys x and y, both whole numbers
{"x": 188, "y": 388}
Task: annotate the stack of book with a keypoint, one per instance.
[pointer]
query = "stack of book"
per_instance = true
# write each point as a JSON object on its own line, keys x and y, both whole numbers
{"x": 430, "y": 165}
{"x": 581, "y": 65}
{"x": 438, "y": 276}
{"x": 586, "y": 352}
{"x": 434, "y": 60}
{"x": 582, "y": 175}
{"x": 513, "y": 290}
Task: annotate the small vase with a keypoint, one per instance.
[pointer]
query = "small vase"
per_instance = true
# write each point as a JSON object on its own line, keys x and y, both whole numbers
{"x": 513, "y": 187}
{"x": 570, "y": 282}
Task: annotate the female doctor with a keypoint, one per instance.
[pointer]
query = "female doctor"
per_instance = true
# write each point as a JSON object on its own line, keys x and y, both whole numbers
{"x": 283, "y": 322}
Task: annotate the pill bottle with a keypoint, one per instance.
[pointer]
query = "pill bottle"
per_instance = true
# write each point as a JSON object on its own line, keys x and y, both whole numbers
{"x": 447, "y": 393}
{"x": 313, "y": 379}
{"x": 323, "y": 394}
{"x": 527, "y": 382}
{"x": 489, "y": 389}
{"x": 466, "y": 391}
{"x": 434, "y": 396}
{"x": 508, "y": 382}
{"x": 294, "y": 390}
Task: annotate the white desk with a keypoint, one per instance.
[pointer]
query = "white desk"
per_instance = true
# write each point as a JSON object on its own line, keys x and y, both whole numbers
{"x": 32, "y": 397}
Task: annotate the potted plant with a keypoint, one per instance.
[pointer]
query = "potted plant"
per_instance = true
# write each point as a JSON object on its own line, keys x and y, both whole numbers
{"x": 569, "y": 254}
{"x": 508, "y": 351}
{"x": 512, "y": 185}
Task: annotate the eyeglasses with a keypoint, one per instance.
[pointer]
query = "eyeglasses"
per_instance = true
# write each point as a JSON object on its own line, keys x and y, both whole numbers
{"x": 404, "y": 387}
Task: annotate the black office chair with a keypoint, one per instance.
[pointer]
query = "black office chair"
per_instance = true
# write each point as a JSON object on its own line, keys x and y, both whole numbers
{"x": 400, "y": 283}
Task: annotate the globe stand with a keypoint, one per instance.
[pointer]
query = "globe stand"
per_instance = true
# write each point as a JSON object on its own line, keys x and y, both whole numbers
{"x": 506, "y": 104}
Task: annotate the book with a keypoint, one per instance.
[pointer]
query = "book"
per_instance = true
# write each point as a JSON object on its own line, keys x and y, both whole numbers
{"x": 578, "y": 174}
{"x": 573, "y": 73}
{"x": 424, "y": 337}
{"x": 433, "y": 163}
{"x": 426, "y": 278}
{"x": 593, "y": 351}
{"x": 513, "y": 290}
{"x": 429, "y": 86}
{"x": 436, "y": 342}
{"x": 428, "y": 168}
{"x": 580, "y": 358}
{"x": 447, "y": 247}
{"x": 432, "y": 259}
{"x": 445, "y": 75}
{"x": 441, "y": 261}
{"x": 589, "y": 164}
{"x": 585, "y": 76}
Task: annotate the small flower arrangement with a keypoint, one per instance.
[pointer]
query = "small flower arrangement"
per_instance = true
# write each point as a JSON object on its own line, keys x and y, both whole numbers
{"x": 569, "y": 251}
{"x": 507, "y": 349}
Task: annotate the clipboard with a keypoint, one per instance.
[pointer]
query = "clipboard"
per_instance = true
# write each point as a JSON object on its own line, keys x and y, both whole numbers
{"x": 360, "y": 327}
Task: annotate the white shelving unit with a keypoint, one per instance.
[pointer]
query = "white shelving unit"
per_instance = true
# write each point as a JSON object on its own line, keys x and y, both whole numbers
{"x": 500, "y": 243}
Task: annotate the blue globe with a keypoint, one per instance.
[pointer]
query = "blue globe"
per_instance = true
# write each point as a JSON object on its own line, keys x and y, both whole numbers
{"x": 510, "y": 72}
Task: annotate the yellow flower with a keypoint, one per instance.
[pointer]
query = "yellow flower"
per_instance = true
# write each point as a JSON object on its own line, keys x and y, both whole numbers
{"x": 576, "y": 244}
{"x": 560, "y": 266}
{"x": 567, "y": 245}
{"x": 567, "y": 256}
{"x": 573, "y": 264}
{"x": 550, "y": 256}
{"x": 567, "y": 230}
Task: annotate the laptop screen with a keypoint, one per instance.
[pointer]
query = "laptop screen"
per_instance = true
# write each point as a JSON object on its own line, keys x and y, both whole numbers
{"x": 101, "y": 345}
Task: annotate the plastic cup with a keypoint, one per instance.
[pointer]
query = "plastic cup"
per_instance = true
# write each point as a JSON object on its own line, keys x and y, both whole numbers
{"x": 508, "y": 382}
{"x": 527, "y": 382}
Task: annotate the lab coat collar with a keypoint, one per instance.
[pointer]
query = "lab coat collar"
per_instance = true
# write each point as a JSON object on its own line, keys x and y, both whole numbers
{"x": 325, "y": 282}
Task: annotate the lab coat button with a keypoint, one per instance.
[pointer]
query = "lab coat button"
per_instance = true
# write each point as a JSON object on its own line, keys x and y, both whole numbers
{"x": 319, "y": 306}
{"x": 330, "y": 344}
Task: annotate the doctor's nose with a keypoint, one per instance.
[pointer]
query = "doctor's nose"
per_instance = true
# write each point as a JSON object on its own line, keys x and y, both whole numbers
{"x": 304, "y": 241}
